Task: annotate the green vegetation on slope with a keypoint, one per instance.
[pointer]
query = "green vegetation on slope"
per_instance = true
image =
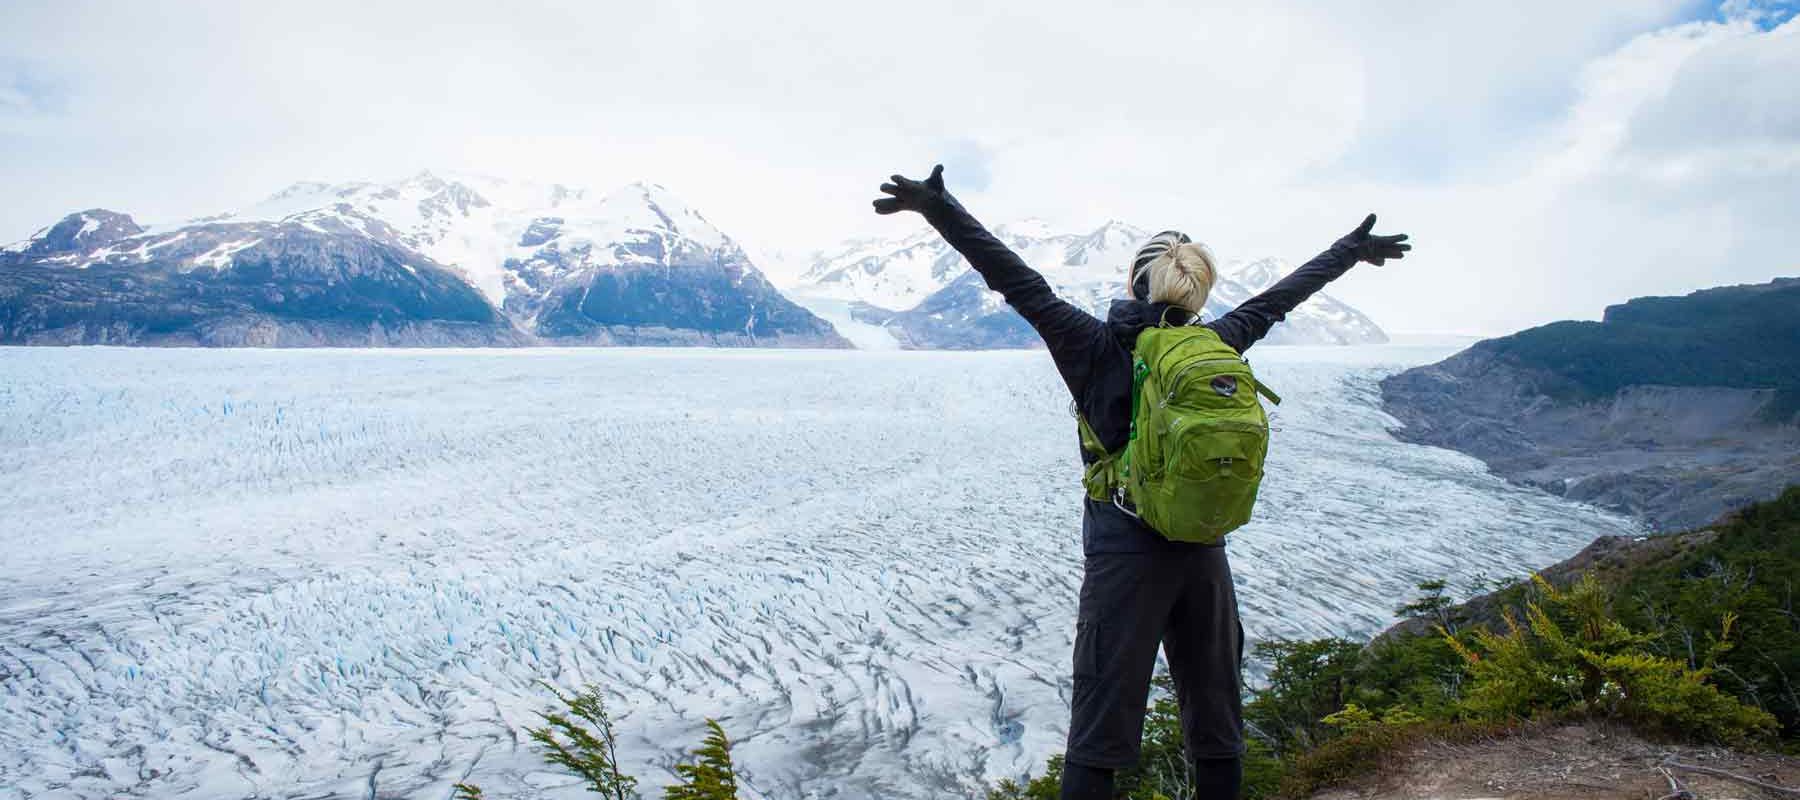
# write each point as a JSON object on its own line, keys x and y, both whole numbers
{"x": 1751, "y": 572}
{"x": 1738, "y": 336}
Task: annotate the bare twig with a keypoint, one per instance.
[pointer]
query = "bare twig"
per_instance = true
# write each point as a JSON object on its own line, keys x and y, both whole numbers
{"x": 1716, "y": 772}
{"x": 1676, "y": 790}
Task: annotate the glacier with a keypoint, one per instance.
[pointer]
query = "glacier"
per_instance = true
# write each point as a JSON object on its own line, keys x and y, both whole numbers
{"x": 343, "y": 573}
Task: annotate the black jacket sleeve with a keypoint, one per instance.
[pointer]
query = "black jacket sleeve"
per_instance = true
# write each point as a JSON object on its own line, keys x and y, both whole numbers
{"x": 1072, "y": 335}
{"x": 1251, "y": 321}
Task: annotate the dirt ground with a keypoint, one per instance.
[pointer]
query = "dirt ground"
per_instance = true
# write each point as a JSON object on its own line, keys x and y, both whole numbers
{"x": 1571, "y": 761}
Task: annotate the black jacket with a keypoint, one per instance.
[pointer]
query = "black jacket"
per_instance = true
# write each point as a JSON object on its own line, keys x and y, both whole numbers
{"x": 1094, "y": 357}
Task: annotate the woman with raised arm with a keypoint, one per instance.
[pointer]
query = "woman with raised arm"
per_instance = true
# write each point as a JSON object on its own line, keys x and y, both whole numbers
{"x": 1140, "y": 589}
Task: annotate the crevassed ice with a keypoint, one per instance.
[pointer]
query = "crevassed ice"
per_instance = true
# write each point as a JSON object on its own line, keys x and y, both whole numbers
{"x": 342, "y": 573}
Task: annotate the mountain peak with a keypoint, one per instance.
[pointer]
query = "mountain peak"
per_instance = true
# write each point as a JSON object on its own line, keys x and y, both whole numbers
{"x": 301, "y": 189}
{"x": 1259, "y": 274}
{"x": 83, "y": 230}
{"x": 1027, "y": 228}
{"x": 424, "y": 179}
{"x": 642, "y": 205}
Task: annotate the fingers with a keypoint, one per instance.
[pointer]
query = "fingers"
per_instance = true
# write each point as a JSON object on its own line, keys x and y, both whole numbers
{"x": 937, "y": 177}
{"x": 887, "y": 205}
{"x": 888, "y": 188}
{"x": 1390, "y": 239}
{"x": 1367, "y": 225}
{"x": 1382, "y": 255}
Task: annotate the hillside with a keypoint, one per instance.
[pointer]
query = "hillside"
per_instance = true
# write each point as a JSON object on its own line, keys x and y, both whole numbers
{"x": 1678, "y": 587}
{"x": 1672, "y": 409}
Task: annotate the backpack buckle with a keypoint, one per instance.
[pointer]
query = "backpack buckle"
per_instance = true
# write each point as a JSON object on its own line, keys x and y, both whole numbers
{"x": 1119, "y": 500}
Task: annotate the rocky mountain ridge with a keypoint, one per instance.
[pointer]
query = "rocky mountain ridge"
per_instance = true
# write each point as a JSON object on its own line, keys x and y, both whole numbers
{"x": 424, "y": 261}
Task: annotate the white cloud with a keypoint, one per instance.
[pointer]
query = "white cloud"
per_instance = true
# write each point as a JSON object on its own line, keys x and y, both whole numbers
{"x": 1549, "y": 157}
{"x": 1653, "y": 182}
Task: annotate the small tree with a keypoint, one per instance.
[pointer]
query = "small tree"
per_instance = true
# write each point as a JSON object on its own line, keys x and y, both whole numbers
{"x": 710, "y": 776}
{"x": 1307, "y": 680}
{"x": 582, "y": 741}
{"x": 1047, "y": 786}
{"x": 1435, "y": 605}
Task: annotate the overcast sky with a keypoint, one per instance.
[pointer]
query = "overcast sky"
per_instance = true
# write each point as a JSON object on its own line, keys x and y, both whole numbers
{"x": 1548, "y": 157}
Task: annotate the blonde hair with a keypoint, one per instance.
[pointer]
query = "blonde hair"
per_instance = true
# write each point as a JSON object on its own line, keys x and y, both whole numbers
{"x": 1183, "y": 276}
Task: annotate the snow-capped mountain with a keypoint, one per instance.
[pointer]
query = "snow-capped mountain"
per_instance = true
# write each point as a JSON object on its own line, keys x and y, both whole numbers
{"x": 550, "y": 263}
{"x": 898, "y": 274}
{"x": 925, "y": 295}
{"x": 1322, "y": 319}
{"x": 97, "y": 277}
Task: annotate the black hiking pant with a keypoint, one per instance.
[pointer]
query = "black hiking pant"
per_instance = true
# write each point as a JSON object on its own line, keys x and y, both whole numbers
{"x": 1181, "y": 599}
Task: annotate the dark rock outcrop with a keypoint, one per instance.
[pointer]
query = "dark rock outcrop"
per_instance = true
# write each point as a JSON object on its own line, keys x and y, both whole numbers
{"x": 288, "y": 286}
{"x": 658, "y": 290}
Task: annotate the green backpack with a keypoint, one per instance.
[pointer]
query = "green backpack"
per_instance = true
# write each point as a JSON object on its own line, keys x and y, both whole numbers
{"x": 1198, "y": 437}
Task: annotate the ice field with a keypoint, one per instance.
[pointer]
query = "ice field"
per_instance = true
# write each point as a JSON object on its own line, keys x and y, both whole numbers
{"x": 330, "y": 573}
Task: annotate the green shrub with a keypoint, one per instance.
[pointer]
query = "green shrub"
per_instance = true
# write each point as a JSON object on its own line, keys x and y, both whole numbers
{"x": 1047, "y": 786}
{"x": 1573, "y": 654}
{"x": 1263, "y": 770}
{"x": 582, "y": 741}
{"x": 1751, "y": 571}
{"x": 710, "y": 774}
{"x": 1307, "y": 681}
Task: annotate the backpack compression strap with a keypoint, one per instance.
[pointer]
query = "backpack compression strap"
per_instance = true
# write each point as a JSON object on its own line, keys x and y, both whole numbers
{"x": 1104, "y": 479}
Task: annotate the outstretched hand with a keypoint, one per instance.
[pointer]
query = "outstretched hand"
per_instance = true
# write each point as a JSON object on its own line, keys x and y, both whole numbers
{"x": 1376, "y": 249}
{"x": 910, "y": 195}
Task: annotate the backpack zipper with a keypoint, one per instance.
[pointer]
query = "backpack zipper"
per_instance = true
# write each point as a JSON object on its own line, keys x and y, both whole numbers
{"x": 1175, "y": 382}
